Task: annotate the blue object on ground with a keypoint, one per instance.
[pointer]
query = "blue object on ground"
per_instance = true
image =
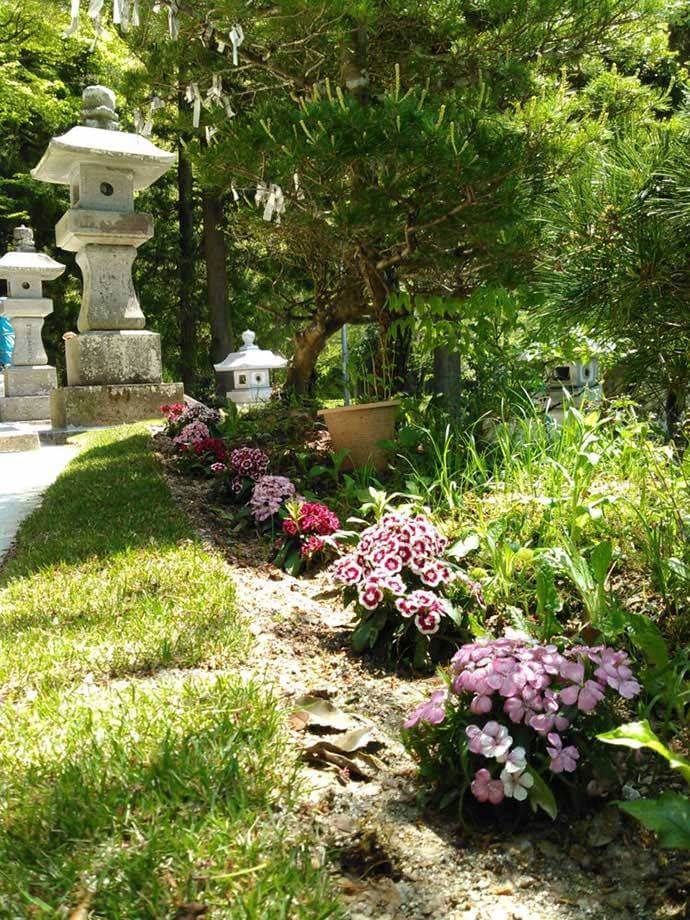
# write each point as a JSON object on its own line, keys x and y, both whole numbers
{"x": 6, "y": 341}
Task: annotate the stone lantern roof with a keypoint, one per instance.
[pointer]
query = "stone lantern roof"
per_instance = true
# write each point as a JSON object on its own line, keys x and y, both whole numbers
{"x": 250, "y": 357}
{"x": 24, "y": 260}
{"x": 99, "y": 141}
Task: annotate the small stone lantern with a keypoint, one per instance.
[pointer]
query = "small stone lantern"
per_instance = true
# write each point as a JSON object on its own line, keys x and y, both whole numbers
{"x": 29, "y": 379}
{"x": 251, "y": 368}
{"x": 114, "y": 368}
{"x": 574, "y": 383}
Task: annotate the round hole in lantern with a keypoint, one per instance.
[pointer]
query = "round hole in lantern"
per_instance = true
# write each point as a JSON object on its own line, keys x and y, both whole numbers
{"x": 26, "y": 285}
{"x": 106, "y": 189}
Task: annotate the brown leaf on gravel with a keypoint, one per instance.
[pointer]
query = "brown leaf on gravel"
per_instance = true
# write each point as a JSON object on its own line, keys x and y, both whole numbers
{"x": 343, "y": 744}
{"x": 323, "y": 713}
{"x": 298, "y": 720}
{"x": 359, "y": 764}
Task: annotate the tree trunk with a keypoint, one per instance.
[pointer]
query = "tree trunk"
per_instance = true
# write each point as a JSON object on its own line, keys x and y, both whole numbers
{"x": 347, "y": 305}
{"x": 676, "y": 398}
{"x": 309, "y": 343}
{"x": 186, "y": 306}
{"x": 446, "y": 383}
{"x": 215, "y": 253}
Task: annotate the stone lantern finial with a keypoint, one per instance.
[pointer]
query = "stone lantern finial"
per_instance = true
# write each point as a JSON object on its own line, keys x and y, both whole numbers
{"x": 98, "y": 108}
{"x": 23, "y": 239}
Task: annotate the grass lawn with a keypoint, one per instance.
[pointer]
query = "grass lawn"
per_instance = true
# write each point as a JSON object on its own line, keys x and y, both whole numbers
{"x": 138, "y": 773}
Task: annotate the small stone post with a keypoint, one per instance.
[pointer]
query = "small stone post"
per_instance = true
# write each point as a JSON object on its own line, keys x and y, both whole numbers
{"x": 29, "y": 379}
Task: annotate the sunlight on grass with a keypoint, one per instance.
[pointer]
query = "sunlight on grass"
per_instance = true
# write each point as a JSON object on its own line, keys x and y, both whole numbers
{"x": 138, "y": 772}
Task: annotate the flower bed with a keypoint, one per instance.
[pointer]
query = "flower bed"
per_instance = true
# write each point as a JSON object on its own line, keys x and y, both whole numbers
{"x": 516, "y": 718}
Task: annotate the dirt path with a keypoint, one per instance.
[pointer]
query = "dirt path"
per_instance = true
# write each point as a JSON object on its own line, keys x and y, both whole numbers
{"x": 392, "y": 859}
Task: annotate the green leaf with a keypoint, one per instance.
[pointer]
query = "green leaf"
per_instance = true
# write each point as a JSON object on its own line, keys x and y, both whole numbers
{"x": 366, "y": 634}
{"x": 679, "y": 568}
{"x": 293, "y": 563}
{"x": 455, "y": 615}
{"x": 600, "y": 561}
{"x": 637, "y": 735}
{"x": 409, "y": 436}
{"x": 540, "y": 796}
{"x": 647, "y": 637}
{"x": 669, "y": 816}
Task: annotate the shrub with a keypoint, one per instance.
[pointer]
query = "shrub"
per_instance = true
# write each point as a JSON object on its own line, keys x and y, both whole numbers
{"x": 307, "y": 533}
{"x": 516, "y": 716}
{"x": 396, "y": 578}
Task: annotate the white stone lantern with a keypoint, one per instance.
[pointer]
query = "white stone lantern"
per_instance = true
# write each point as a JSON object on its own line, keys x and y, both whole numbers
{"x": 29, "y": 379}
{"x": 575, "y": 383}
{"x": 251, "y": 368}
{"x": 114, "y": 368}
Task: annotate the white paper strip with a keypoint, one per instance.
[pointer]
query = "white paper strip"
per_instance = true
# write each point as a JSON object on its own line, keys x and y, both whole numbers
{"x": 236, "y": 39}
{"x": 173, "y": 24}
{"x": 196, "y": 115}
{"x": 74, "y": 22}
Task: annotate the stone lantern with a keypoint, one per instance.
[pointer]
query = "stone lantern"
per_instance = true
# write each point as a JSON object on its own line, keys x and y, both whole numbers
{"x": 575, "y": 383}
{"x": 251, "y": 368}
{"x": 29, "y": 379}
{"x": 114, "y": 369}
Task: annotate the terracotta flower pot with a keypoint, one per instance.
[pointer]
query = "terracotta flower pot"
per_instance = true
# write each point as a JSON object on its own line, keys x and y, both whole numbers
{"x": 358, "y": 429}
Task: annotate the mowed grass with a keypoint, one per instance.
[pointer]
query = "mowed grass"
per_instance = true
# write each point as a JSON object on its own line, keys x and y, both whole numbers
{"x": 139, "y": 775}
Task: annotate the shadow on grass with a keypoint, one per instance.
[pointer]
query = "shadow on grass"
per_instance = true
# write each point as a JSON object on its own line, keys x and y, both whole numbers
{"x": 112, "y": 497}
{"x": 169, "y": 809}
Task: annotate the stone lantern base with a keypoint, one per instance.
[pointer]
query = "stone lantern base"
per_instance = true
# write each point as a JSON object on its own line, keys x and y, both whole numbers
{"x": 96, "y": 406}
{"x": 27, "y": 392}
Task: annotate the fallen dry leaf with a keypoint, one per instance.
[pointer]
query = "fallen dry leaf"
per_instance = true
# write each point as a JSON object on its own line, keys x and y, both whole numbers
{"x": 323, "y": 713}
{"x": 343, "y": 744}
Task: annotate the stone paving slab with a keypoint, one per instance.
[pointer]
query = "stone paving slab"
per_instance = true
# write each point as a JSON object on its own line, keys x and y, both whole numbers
{"x": 24, "y": 476}
{"x": 17, "y": 438}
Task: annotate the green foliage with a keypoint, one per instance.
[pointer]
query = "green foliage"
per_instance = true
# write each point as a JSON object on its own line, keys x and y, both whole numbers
{"x": 669, "y": 815}
{"x": 638, "y": 735}
{"x": 615, "y": 262}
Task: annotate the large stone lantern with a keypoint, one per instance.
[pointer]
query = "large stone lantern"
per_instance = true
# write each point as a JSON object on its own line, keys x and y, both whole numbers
{"x": 29, "y": 379}
{"x": 250, "y": 368}
{"x": 114, "y": 370}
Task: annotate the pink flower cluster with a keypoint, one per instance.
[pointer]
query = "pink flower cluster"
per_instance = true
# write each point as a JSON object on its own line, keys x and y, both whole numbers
{"x": 192, "y": 434}
{"x": 391, "y": 560}
{"x": 249, "y": 462}
{"x": 533, "y": 685}
{"x": 310, "y": 522}
{"x": 268, "y": 495}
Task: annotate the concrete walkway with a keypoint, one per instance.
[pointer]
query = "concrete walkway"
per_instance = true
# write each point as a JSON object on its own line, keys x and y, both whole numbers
{"x": 24, "y": 476}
